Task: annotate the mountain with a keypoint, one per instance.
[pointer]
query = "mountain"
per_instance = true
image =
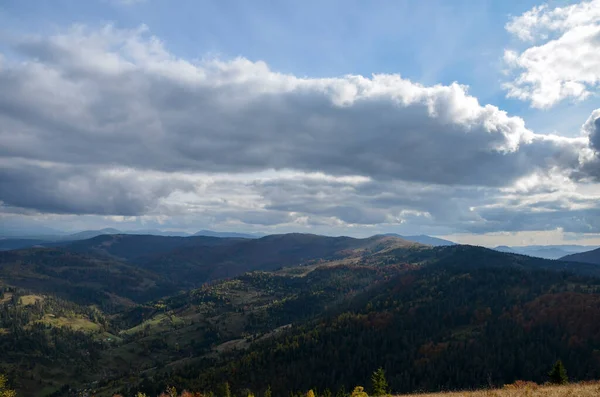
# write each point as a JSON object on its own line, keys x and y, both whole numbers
{"x": 211, "y": 233}
{"x": 197, "y": 263}
{"x": 125, "y": 313}
{"x": 545, "y": 251}
{"x": 191, "y": 261}
{"x": 80, "y": 278}
{"x": 90, "y": 233}
{"x": 479, "y": 320}
{"x": 424, "y": 239}
{"x": 157, "y": 232}
{"x": 11, "y": 229}
{"x": 140, "y": 248}
{"x": 592, "y": 256}
{"x": 443, "y": 311}
{"x": 504, "y": 248}
{"x": 18, "y": 243}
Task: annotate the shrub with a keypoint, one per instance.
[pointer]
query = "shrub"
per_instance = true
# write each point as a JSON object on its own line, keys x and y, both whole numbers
{"x": 359, "y": 391}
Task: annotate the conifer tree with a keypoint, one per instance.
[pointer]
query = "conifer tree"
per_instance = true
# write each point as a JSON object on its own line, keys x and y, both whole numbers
{"x": 558, "y": 374}
{"x": 341, "y": 392}
{"x": 4, "y": 390}
{"x": 380, "y": 385}
{"x": 226, "y": 390}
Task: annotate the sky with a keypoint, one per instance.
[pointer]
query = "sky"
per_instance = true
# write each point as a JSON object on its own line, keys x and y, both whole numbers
{"x": 475, "y": 121}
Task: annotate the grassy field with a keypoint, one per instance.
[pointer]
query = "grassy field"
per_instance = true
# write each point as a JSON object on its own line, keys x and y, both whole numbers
{"x": 30, "y": 299}
{"x": 75, "y": 323}
{"x": 572, "y": 390}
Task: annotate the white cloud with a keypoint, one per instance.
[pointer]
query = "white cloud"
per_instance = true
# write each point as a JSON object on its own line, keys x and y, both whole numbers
{"x": 110, "y": 123}
{"x": 564, "y": 59}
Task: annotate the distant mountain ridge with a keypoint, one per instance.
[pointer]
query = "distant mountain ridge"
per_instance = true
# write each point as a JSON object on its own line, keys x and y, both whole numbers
{"x": 424, "y": 239}
{"x": 212, "y": 233}
{"x": 197, "y": 259}
{"x": 545, "y": 251}
{"x": 19, "y": 242}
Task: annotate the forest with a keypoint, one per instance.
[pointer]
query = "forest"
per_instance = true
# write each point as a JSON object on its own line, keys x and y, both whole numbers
{"x": 81, "y": 319}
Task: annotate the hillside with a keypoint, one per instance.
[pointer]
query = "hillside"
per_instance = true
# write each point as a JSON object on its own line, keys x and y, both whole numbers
{"x": 479, "y": 321}
{"x": 198, "y": 264}
{"x": 80, "y": 278}
{"x": 424, "y": 239}
{"x": 592, "y": 256}
{"x": 434, "y": 318}
{"x": 138, "y": 248}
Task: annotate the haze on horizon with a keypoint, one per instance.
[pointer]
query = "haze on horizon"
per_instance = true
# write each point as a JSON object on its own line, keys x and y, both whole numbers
{"x": 479, "y": 123}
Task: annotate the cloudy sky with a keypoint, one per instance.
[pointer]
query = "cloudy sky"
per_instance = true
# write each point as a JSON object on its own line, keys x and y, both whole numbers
{"x": 474, "y": 120}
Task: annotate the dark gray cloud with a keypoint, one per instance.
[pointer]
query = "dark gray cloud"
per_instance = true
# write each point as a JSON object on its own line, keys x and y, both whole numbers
{"x": 108, "y": 122}
{"x": 81, "y": 190}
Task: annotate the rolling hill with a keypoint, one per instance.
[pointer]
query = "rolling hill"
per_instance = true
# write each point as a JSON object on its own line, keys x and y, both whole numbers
{"x": 81, "y": 278}
{"x": 283, "y": 310}
{"x": 592, "y": 256}
{"x": 192, "y": 261}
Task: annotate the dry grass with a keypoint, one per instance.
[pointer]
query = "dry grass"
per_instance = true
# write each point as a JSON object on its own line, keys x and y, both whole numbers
{"x": 27, "y": 300}
{"x": 527, "y": 390}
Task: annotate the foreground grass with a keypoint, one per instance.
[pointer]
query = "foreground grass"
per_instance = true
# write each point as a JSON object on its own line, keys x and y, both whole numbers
{"x": 572, "y": 390}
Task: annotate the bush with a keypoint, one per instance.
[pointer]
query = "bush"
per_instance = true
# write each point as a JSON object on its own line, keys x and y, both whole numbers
{"x": 359, "y": 391}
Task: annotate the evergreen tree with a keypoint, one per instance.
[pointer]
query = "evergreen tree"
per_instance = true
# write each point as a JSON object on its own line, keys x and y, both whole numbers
{"x": 310, "y": 393}
{"x": 341, "y": 392}
{"x": 226, "y": 390}
{"x": 379, "y": 383}
{"x": 268, "y": 391}
{"x": 4, "y": 390}
{"x": 558, "y": 374}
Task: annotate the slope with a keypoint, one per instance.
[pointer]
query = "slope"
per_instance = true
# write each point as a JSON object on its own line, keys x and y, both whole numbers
{"x": 196, "y": 264}
{"x": 592, "y": 256}
{"x": 465, "y": 317}
{"x": 424, "y": 239}
{"x": 80, "y": 278}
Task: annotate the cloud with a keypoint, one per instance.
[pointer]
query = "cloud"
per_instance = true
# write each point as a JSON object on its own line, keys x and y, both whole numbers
{"x": 83, "y": 190}
{"x": 564, "y": 58}
{"x": 109, "y": 122}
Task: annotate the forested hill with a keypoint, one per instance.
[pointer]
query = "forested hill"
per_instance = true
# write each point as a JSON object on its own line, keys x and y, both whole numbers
{"x": 463, "y": 321}
{"x": 314, "y": 312}
{"x": 592, "y": 256}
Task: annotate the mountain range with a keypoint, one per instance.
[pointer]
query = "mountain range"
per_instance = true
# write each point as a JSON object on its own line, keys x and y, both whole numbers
{"x": 125, "y": 313}
{"x": 11, "y": 241}
{"x": 546, "y": 251}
